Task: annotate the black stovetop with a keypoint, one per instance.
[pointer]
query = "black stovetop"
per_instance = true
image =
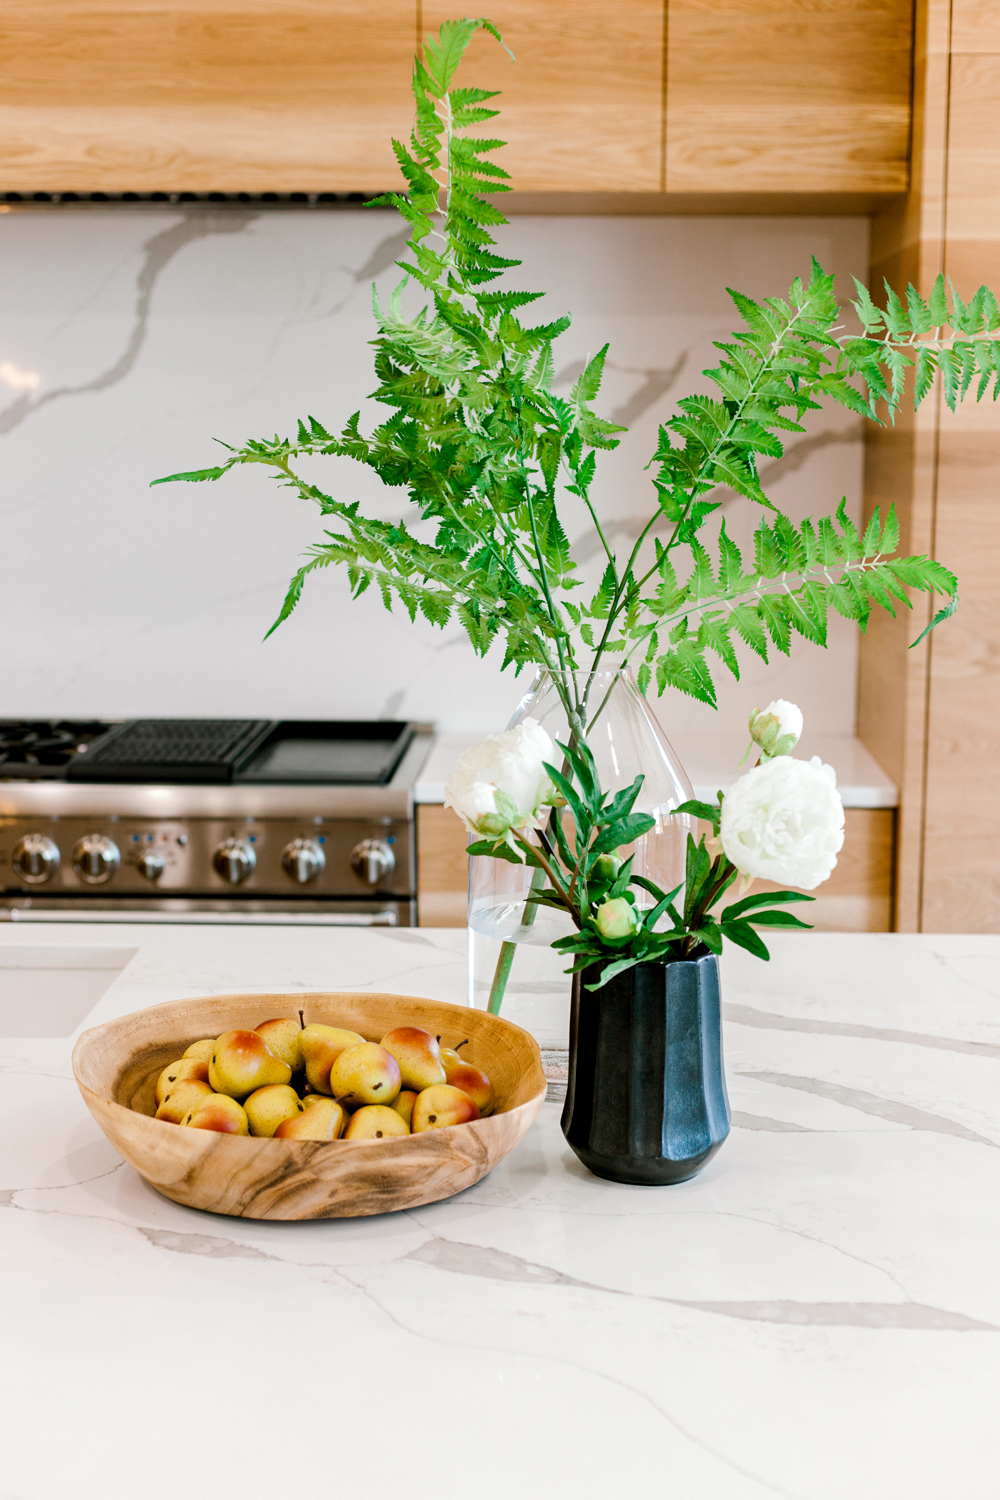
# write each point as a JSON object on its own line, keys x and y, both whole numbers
{"x": 41, "y": 749}
{"x": 276, "y": 752}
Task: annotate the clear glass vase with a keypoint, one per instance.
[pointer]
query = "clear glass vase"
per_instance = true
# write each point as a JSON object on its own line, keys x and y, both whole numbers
{"x": 626, "y": 741}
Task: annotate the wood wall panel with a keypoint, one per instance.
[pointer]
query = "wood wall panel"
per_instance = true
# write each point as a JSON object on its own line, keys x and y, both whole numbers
{"x": 225, "y": 95}
{"x": 583, "y": 106}
{"x": 961, "y": 885}
{"x": 780, "y": 95}
{"x": 932, "y": 716}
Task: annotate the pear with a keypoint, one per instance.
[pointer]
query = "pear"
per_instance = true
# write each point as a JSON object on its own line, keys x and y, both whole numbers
{"x": 242, "y": 1062}
{"x": 185, "y": 1095}
{"x": 323, "y": 1122}
{"x": 403, "y": 1105}
{"x": 184, "y": 1067}
{"x": 418, "y": 1055}
{"x": 321, "y": 1046}
{"x": 218, "y": 1112}
{"x": 267, "y": 1107}
{"x": 367, "y": 1074}
{"x": 375, "y": 1122}
{"x": 282, "y": 1037}
{"x": 474, "y": 1082}
{"x": 440, "y": 1106}
{"x": 203, "y": 1049}
{"x": 450, "y": 1056}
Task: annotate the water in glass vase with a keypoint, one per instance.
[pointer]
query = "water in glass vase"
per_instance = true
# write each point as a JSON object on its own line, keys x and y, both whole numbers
{"x": 626, "y": 741}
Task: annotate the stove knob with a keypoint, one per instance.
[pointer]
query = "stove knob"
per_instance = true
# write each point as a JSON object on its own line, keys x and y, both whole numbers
{"x": 372, "y": 860}
{"x": 150, "y": 864}
{"x": 96, "y": 858}
{"x": 235, "y": 860}
{"x": 35, "y": 858}
{"x": 303, "y": 860}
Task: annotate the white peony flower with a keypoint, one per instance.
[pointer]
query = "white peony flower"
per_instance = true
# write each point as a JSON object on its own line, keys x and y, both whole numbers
{"x": 777, "y": 728}
{"x": 509, "y": 764}
{"x": 784, "y": 821}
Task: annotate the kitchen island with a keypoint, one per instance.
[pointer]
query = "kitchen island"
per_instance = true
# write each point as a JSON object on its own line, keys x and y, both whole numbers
{"x": 817, "y": 1315}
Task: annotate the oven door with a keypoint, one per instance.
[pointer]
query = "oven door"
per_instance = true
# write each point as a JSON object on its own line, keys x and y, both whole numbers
{"x": 208, "y": 910}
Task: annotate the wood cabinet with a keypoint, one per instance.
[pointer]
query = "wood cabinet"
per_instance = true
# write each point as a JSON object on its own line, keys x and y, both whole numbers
{"x": 203, "y": 95}
{"x": 583, "y": 104}
{"x": 660, "y": 104}
{"x": 856, "y": 898}
{"x": 932, "y": 716}
{"x": 788, "y": 96}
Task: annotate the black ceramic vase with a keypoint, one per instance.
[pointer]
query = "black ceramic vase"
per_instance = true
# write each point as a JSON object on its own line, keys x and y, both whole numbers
{"x": 646, "y": 1099}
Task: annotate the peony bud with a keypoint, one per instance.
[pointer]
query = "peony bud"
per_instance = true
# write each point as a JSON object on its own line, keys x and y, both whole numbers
{"x": 605, "y": 868}
{"x": 617, "y": 920}
{"x": 776, "y": 728}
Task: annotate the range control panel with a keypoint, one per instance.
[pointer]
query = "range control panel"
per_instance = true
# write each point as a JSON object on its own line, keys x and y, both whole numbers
{"x": 319, "y": 857}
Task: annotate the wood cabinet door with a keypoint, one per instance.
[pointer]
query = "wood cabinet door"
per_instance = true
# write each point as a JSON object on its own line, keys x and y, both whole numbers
{"x": 788, "y": 96}
{"x": 582, "y": 106}
{"x": 203, "y": 95}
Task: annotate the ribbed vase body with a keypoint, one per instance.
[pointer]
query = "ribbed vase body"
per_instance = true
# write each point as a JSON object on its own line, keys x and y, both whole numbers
{"x": 646, "y": 1099}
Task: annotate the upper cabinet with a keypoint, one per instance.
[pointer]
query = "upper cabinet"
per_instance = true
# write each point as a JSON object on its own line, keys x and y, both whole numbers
{"x": 788, "y": 96}
{"x": 203, "y": 95}
{"x": 583, "y": 102}
{"x": 682, "y": 97}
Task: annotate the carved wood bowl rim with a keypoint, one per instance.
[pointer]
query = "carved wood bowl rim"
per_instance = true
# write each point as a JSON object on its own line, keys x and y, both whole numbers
{"x": 117, "y": 1063}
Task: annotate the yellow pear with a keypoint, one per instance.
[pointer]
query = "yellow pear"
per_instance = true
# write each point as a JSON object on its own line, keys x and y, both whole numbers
{"x": 184, "y": 1067}
{"x": 367, "y": 1074}
{"x": 474, "y": 1082}
{"x": 185, "y": 1095}
{"x": 218, "y": 1112}
{"x": 282, "y": 1037}
{"x": 449, "y": 1055}
{"x": 323, "y": 1122}
{"x": 418, "y": 1055}
{"x": 308, "y": 1099}
{"x": 267, "y": 1107}
{"x": 321, "y": 1046}
{"x": 203, "y": 1049}
{"x": 375, "y": 1122}
{"x": 242, "y": 1062}
{"x": 403, "y": 1105}
{"x": 441, "y": 1106}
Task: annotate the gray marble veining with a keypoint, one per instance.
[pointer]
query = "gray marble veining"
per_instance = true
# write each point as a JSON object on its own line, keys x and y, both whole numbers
{"x": 132, "y": 339}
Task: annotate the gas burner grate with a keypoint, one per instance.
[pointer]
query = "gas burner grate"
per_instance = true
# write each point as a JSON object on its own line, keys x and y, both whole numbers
{"x": 29, "y": 745}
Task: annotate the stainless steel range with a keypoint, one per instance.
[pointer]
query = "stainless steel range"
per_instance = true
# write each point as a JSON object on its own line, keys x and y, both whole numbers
{"x": 197, "y": 820}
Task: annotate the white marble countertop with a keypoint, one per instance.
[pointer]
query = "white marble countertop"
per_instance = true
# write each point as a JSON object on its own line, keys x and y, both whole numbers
{"x": 817, "y": 1315}
{"x": 712, "y": 762}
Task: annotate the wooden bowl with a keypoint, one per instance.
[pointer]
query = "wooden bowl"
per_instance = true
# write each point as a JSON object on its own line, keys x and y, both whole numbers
{"x": 117, "y": 1065}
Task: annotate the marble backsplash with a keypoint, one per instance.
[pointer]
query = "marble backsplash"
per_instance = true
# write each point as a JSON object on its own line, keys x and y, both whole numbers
{"x": 131, "y": 338}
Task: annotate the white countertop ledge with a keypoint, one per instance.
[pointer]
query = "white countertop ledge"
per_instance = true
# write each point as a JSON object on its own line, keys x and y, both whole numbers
{"x": 712, "y": 763}
{"x": 815, "y": 1316}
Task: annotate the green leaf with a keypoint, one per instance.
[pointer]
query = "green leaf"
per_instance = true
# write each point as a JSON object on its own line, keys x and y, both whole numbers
{"x": 624, "y": 832}
{"x": 703, "y": 810}
{"x": 743, "y": 935}
{"x": 610, "y": 970}
{"x": 195, "y": 476}
{"x": 762, "y": 898}
{"x": 944, "y": 613}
